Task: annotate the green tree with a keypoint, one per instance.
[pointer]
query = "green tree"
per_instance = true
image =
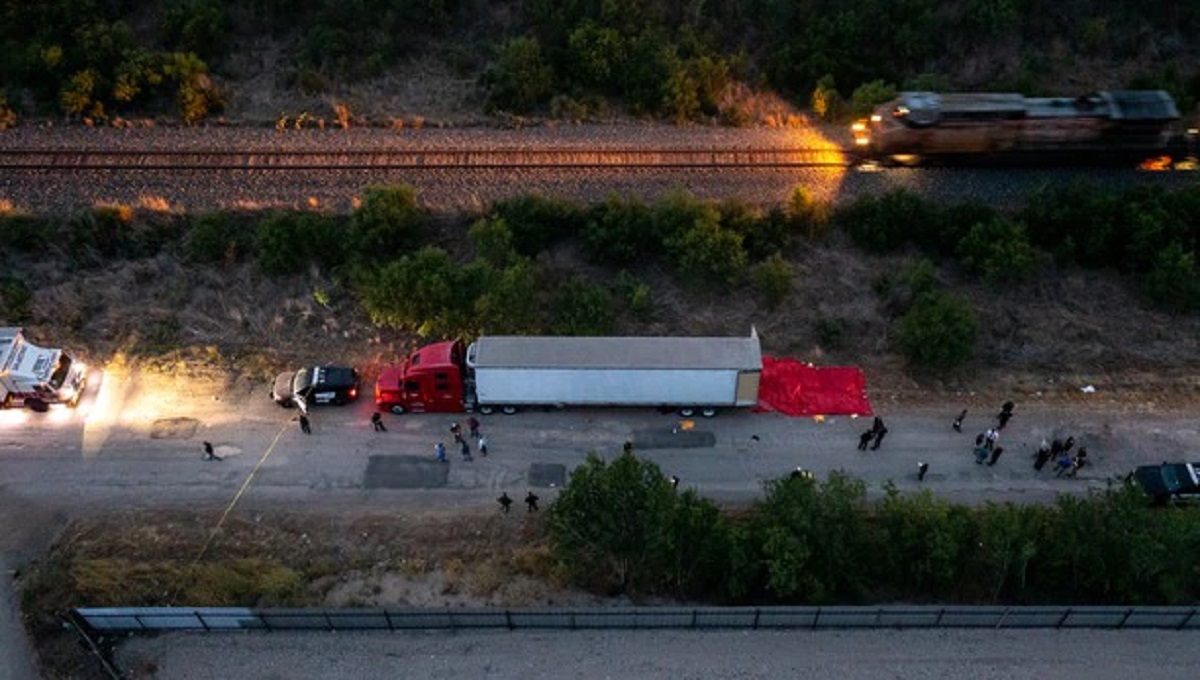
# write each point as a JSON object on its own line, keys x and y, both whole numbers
{"x": 520, "y": 79}
{"x": 493, "y": 241}
{"x": 867, "y": 96}
{"x": 939, "y": 331}
{"x": 826, "y": 102}
{"x": 511, "y": 303}
{"x": 538, "y": 222}
{"x": 611, "y": 527}
{"x": 999, "y": 250}
{"x": 388, "y": 223}
{"x": 927, "y": 541}
{"x": 773, "y": 280}
{"x": 813, "y": 539}
{"x": 705, "y": 254}
{"x": 582, "y": 308}
{"x": 423, "y": 292}
{"x": 1172, "y": 282}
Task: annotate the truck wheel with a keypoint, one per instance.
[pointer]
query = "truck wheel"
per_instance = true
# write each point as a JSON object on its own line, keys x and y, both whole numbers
{"x": 687, "y": 411}
{"x": 37, "y": 405}
{"x": 508, "y": 410}
{"x": 486, "y": 410}
{"x": 398, "y": 409}
{"x": 708, "y": 412}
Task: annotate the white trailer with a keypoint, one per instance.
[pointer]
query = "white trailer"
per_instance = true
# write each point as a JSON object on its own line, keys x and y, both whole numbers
{"x": 36, "y": 376}
{"x": 691, "y": 374}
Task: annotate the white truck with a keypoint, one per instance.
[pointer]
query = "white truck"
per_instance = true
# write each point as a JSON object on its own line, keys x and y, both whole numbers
{"x": 506, "y": 373}
{"x": 36, "y": 376}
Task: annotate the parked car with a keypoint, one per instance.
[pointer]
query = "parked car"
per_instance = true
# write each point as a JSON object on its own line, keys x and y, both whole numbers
{"x": 1169, "y": 482}
{"x": 316, "y": 385}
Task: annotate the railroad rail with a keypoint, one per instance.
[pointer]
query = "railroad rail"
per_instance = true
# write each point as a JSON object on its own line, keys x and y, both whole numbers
{"x": 458, "y": 158}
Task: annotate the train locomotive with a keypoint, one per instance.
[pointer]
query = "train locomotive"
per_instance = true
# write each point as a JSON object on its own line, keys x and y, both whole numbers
{"x": 1116, "y": 126}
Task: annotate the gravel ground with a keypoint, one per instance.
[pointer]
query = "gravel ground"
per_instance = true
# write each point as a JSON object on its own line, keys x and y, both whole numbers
{"x": 870, "y": 655}
{"x": 458, "y": 190}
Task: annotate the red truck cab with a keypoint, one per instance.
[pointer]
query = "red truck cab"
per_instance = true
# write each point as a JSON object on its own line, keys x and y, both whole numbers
{"x": 431, "y": 380}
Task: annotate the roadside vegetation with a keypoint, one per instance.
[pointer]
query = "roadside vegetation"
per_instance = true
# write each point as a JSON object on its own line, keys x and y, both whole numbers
{"x": 572, "y": 59}
{"x": 388, "y": 258}
{"x": 619, "y": 529}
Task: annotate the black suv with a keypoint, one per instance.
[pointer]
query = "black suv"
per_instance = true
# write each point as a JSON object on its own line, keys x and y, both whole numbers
{"x": 1169, "y": 482}
{"x": 316, "y": 385}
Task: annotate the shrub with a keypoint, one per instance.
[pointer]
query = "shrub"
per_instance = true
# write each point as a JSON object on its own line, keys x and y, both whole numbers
{"x": 538, "y": 222}
{"x": 422, "y": 292}
{"x": 198, "y": 26}
{"x": 831, "y": 331}
{"x": 706, "y": 254}
{"x": 582, "y": 308}
{"x": 869, "y": 95}
{"x": 1077, "y": 224}
{"x": 620, "y": 233}
{"x": 885, "y": 224}
{"x": 511, "y": 303}
{"x": 773, "y": 280}
{"x": 998, "y": 250}
{"x": 938, "y": 332}
{"x": 219, "y": 237}
{"x": 1172, "y": 282}
{"x": 635, "y": 295}
{"x": 761, "y": 235}
{"x": 492, "y": 240}
{"x": 520, "y": 79}
{"x": 388, "y": 223}
{"x": 619, "y": 527}
{"x": 16, "y": 301}
{"x": 26, "y": 233}
{"x": 826, "y": 102}
{"x": 288, "y": 242}
{"x": 806, "y": 216}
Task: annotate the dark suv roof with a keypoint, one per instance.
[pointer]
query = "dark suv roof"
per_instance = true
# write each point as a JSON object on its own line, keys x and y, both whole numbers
{"x": 329, "y": 378}
{"x": 1181, "y": 480}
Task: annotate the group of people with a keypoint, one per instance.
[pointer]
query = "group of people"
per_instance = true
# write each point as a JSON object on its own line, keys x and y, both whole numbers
{"x": 1059, "y": 451}
{"x": 531, "y": 501}
{"x": 439, "y": 449}
{"x": 874, "y": 436}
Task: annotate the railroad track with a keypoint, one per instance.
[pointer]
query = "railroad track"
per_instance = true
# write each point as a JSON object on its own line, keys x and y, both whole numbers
{"x": 511, "y": 158}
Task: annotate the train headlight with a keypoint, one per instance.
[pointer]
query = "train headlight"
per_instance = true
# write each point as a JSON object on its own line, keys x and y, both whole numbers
{"x": 876, "y": 118}
{"x": 859, "y": 126}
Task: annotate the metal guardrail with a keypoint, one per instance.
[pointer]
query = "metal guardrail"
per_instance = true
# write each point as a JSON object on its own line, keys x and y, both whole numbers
{"x": 102, "y": 621}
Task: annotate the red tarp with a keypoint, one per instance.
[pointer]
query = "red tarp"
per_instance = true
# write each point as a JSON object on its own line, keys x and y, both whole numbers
{"x": 794, "y": 388}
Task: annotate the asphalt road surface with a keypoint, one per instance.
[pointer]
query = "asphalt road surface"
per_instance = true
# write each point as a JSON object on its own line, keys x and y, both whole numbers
{"x": 674, "y": 655}
{"x": 135, "y": 443}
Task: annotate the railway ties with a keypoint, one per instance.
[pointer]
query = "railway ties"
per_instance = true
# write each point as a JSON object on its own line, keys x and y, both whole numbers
{"x": 424, "y": 158}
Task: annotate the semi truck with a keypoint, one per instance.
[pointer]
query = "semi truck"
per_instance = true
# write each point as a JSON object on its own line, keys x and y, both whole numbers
{"x": 695, "y": 375}
{"x": 36, "y": 376}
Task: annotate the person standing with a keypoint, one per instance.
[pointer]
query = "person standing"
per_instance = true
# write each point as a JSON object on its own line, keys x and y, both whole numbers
{"x": 990, "y": 438}
{"x": 995, "y": 455}
{"x": 531, "y": 502}
{"x": 628, "y": 447}
{"x": 877, "y": 426}
{"x": 864, "y": 439}
{"x": 1006, "y": 414}
{"x": 922, "y": 468}
{"x": 439, "y": 452}
{"x": 209, "y": 454}
{"x": 473, "y": 426}
{"x": 1063, "y": 464}
{"x": 504, "y": 501}
{"x": 1068, "y": 445}
{"x": 305, "y": 426}
{"x": 466, "y": 451}
{"x": 879, "y": 438}
{"x": 377, "y": 422}
{"x": 674, "y": 483}
{"x": 957, "y": 424}
{"x": 981, "y": 454}
{"x": 456, "y": 432}
{"x": 483, "y": 446}
{"x": 1042, "y": 456}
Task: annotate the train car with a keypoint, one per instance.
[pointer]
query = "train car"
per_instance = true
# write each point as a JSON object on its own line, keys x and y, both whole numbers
{"x": 927, "y": 127}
